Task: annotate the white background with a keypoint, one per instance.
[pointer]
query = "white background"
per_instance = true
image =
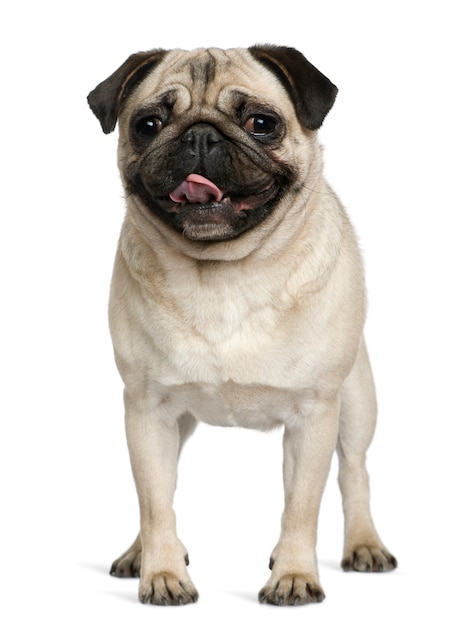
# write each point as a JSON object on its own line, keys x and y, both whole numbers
{"x": 392, "y": 153}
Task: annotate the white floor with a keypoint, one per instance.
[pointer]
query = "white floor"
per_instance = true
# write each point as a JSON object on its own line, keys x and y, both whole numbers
{"x": 228, "y": 507}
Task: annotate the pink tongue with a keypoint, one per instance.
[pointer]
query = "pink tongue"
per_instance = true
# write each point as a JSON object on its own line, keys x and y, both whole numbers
{"x": 196, "y": 189}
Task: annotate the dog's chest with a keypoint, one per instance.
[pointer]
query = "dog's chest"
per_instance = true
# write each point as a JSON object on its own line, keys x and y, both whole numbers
{"x": 233, "y": 345}
{"x": 228, "y": 314}
{"x": 228, "y": 327}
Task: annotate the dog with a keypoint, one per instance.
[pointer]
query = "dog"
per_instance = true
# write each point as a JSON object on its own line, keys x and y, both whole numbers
{"x": 237, "y": 299}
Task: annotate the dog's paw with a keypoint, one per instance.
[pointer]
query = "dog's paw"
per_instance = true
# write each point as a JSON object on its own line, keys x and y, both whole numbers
{"x": 368, "y": 559}
{"x": 128, "y": 565}
{"x": 291, "y": 590}
{"x": 165, "y": 588}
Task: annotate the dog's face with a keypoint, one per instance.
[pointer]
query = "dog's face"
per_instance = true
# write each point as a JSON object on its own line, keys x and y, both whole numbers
{"x": 211, "y": 141}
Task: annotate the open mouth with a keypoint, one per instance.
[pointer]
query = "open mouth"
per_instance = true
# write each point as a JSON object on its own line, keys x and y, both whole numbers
{"x": 196, "y": 189}
{"x": 201, "y": 195}
{"x": 200, "y": 210}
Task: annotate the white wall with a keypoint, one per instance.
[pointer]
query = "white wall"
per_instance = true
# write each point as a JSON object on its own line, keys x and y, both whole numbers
{"x": 391, "y": 150}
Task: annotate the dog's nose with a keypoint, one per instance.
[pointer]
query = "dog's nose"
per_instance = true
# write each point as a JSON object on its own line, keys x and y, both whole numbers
{"x": 202, "y": 138}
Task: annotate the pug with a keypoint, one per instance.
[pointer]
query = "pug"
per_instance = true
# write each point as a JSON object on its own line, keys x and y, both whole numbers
{"x": 237, "y": 299}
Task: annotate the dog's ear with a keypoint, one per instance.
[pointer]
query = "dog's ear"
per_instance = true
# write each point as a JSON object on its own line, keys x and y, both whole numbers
{"x": 312, "y": 93}
{"x": 107, "y": 98}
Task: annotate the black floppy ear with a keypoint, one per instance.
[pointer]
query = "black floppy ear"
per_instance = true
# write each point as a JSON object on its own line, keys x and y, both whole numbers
{"x": 312, "y": 93}
{"x": 106, "y": 99}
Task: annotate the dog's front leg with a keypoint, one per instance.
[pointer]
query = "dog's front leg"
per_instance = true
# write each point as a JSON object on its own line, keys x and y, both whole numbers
{"x": 309, "y": 442}
{"x": 153, "y": 441}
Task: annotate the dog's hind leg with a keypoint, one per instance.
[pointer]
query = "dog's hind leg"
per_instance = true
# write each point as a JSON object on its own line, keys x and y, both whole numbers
{"x": 129, "y": 563}
{"x": 363, "y": 549}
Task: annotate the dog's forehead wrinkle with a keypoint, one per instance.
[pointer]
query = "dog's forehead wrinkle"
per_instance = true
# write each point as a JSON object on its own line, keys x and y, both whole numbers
{"x": 156, "y": 102}
{"x": 203, "y": 69}
{"x": 210, "y": 70}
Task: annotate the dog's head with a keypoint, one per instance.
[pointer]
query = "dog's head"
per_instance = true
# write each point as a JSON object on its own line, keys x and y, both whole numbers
{"x": 212, "y": 140}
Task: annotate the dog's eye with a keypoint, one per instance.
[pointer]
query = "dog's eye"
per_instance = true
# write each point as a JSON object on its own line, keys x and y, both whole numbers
{"x": 148, "y": 127}
{"x": 260, "y": 125}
